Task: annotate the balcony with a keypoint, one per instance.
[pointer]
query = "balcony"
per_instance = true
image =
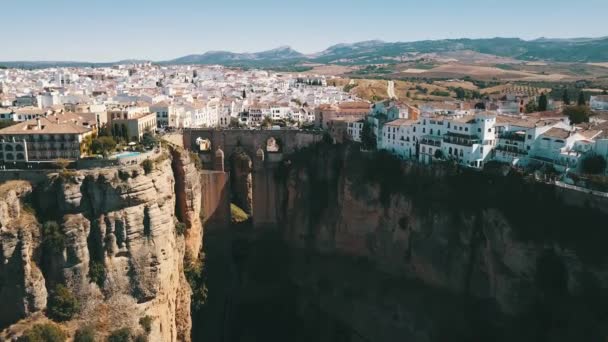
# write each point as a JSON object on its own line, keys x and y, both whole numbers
{"x": 461, "y": 139}
{"x": 513, "y": 136}
{"x": 511, "y": 150}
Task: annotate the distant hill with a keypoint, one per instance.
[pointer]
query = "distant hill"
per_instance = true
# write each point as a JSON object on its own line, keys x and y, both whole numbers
{"x": 282, "y": 54}
{"x": 580, "y": 50}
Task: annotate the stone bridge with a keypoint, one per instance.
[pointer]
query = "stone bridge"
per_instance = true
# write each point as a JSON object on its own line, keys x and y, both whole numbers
{"x": 251, "y": 157}
{"x": 271, "y": 142}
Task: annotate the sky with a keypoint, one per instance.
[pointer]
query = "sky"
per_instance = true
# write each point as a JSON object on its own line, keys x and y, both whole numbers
{"x": 112, "y": 30}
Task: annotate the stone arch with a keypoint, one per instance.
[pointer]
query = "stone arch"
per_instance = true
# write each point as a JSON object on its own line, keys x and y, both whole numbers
{"x": 10, "y": 156}
{"x": 19, "y": 148}
{"x": 20, "y": 156}
{"x": 204, "y": 145}
{"x": 8, "y": 147}
{"x": 241, "y": 180}
{"x": 274, "y": 145}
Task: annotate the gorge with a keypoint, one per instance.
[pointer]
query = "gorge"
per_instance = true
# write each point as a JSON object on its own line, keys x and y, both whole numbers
{"x": 343, "y": 245}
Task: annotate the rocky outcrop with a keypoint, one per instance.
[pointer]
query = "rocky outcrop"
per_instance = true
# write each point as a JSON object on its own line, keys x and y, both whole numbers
{"x": 22, "y": 285}
{"x": 123, "y": 257}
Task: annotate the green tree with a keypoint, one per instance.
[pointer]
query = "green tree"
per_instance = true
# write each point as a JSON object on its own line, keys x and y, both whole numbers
{"x": 120, "y": 335}
{"x": 148, "y": 166}
{"x": 85, "y": 334}
{"x": 581, "y": 99}
{"x": 103, "y": 145}
{"x": 542, "y": 102}
{"x": 146, "y": 323}
{"x": 267, "y": 122}
{"x": 124, "y": 132}
{"x": 566, "y": 97}
{"x": 148, "y": 139}
{"x": 43, "y": 333}
{"x": 53, "y": 238}
{"x": 577, "y": 114}
{"x": 531, "y": 107}
{"x": 605, "y": 92}
{"x": 594, "y": 164}
{"x": 368, "y": 138}
{"x": 460, "y": 93}
{"x": 62, "y": 304}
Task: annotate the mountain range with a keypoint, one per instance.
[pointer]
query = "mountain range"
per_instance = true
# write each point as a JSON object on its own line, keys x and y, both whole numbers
{"x": 573, "y": 50}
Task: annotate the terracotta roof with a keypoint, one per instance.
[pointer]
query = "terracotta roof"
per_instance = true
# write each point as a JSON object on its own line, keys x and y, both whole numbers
{"x": 401, "y": 122}
{"x": 47, "y": 126}
{"x": 557, "y": 133}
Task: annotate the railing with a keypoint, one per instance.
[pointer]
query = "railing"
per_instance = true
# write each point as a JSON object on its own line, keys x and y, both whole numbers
{"x": 460, "y": 141}
{"x": 431, "y": 142}
{"x": 581, "y": 189}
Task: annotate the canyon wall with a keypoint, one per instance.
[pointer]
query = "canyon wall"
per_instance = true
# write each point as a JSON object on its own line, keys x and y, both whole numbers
{"x": 123, "y": 251}
{"x": 510, "y": 243}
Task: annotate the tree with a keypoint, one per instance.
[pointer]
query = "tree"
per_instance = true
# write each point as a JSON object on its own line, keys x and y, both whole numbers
{"x": 368, "y": 138}
{"x": 146, "y": 323}
{"x": 566, "y": 97}
{"x": 62, "y": 305}
{"x": 85, "y": 334}
{"x": 148, "y": 165}
{"x": 267, "y": 122}
{"x": 531, "y": 107}
{"x": 43, "y": 333}
{"x": 438, "y": 154}
{"x": 581, "y": 99}
{"x": 148, "y": 139}
{"x": 103, "y": 145}
{"x": 542, "y": 102}
{"x": 577, "y": 114}
{"x": 594, "y": 164}
{"x": 124, "y": 132}
{"x": 53, "y": 238}
{"x": 605, "y": 92}
{"x": 460, "y": 93}
{"x": 120, "y": 335}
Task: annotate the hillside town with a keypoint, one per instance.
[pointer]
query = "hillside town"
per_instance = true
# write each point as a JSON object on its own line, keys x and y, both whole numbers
{"x": 58, "y": 113}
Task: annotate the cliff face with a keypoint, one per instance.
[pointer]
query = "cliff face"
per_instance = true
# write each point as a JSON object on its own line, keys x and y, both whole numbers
{"x": 123, "y": 258}
{"x": 22, "y": 285}
{"x": 432, "y": 226}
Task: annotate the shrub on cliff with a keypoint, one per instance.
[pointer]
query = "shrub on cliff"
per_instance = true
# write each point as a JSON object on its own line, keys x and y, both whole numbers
{"x": 43, "y": 333}
{"x": 180, "y": 228}
{"x": 53, "y": 238}
{"x": 85, "y": 334}
{"x": 120, "y": 335}
{"x": 62, "y": 305}
{"x": 146, "y": 323}
{"x": 97, "y": 273}
{"x": 194, "y": 270}
{"x": 148, "y": 166}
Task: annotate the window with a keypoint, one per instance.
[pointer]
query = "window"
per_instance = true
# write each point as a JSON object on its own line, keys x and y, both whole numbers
{"x": 479, "y": 130}
{"x": 448, "y": 125}
{"x": 423, "y": 130}
{"x": 466, "y": 129}
{"x": 489, "y": 130}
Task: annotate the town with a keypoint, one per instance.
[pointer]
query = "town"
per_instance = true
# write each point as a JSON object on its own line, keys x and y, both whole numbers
{"x": 115, "y": 112}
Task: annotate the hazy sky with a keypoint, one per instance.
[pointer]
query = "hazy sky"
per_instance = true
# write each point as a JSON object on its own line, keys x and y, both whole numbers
{"x": 110, "y": 30}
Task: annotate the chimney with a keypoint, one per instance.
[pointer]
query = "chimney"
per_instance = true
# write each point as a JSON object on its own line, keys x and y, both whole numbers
{"x": 38, "y": 124}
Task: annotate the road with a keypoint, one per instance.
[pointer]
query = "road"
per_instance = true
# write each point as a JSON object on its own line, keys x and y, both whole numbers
{"x": 391, "y": 90}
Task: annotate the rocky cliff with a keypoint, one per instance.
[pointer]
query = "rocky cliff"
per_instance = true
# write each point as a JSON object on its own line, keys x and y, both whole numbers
{"x": 120, "y": 253}
{"x": 507, "y": 245}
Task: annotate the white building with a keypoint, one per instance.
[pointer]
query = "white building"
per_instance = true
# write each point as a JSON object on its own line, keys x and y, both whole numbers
{"x": 599, "y": 102}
